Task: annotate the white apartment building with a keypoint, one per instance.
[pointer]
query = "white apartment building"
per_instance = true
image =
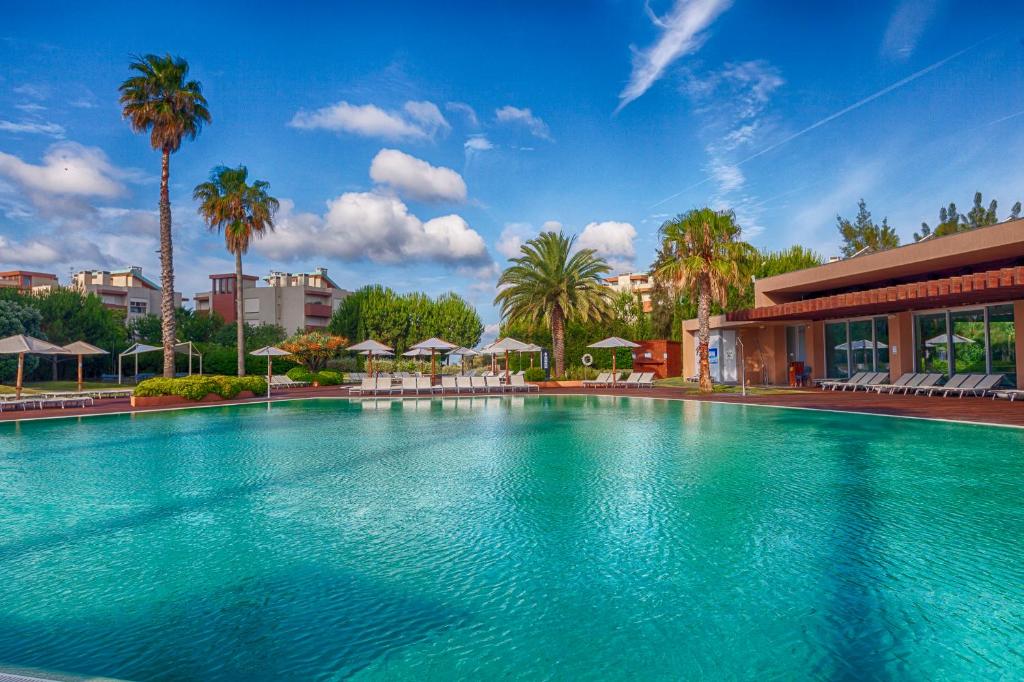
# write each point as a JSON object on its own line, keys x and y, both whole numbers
{"x": 295, "y": 301}
{"x": 125, "y": 289}
{"x": 635, "y": 282}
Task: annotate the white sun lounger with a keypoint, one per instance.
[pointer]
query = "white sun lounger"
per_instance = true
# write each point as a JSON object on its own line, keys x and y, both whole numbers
{"x": 493, "y": 383}
{"x": 831, "y": 384}
{"x": 603, "y": 379}
{"x": 463, "y": 384}
{"x": 519, "y": 384}
{"x": 479, "y": 384}
{"x": 448, "y": 385}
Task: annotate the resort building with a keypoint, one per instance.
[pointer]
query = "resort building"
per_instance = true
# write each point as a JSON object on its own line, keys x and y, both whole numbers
{"x": 125, "y": 289}
{"x": 951, "y": 304}
{"x": 639, "y": 283}
{"x": 293, "y": 301}
{"x": 28, "y": 282}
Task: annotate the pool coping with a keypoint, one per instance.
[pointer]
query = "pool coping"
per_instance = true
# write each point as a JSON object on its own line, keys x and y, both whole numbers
{"x": 672, "y": 398}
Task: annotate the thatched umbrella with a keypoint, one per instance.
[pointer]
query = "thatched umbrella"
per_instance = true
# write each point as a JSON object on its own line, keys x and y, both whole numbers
{"x": 270, "y": 352}
{"x": 614, "y": 342}
{"x": 433, "y": 344}
{"x": 508, "y": 344}
{"x": 81, "y": 348}
{"x": 371, "y": 348}
{"x": 20, "y": 345}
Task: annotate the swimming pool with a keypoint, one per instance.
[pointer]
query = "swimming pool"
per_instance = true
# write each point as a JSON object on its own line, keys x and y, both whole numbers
{"x": 565, "y": 537}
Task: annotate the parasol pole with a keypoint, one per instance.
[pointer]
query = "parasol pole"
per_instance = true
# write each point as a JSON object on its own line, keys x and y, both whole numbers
{"x": 79, "y": 372}
{"x": 21, "y": 375}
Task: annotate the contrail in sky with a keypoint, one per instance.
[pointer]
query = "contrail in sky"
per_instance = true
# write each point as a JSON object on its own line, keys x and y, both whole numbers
{"x": 842, "y": 112}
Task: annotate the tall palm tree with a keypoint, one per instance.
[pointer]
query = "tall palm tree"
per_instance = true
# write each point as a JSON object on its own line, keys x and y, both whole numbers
{"x": 244, "y": 212}
{"x": 702, "y": 250}
{"x": 159, "y": 100}
{"x": 548, "y": 284}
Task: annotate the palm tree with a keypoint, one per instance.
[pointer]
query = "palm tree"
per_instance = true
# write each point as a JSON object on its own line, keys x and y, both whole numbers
{"x": 702, "y": 250}
{"x": 157, "y": 99}
{"x": 548, "y": 284}
{"x": 243, "y": 212}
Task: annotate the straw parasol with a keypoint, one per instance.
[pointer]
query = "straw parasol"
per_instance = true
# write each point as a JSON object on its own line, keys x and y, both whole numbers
{"x": 614, "y": 342}
{"x": 508, "y": 344}
{"x": 420, "y": 353}
{"x": 270, "y": 352}
{"x": 463, "y": 353}
{"x": 81, "y": 348}
{"x": 20, "y": 345}
{"x": 371, "y": 348}
{"x": 434, "y": 344}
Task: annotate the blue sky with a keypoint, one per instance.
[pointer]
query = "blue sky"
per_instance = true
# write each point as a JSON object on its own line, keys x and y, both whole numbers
{"x": 416, "y": 144}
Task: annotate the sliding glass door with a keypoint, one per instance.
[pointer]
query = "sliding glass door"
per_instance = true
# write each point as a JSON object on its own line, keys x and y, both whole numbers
{"x": 967, "y": 341}
{"x": 853, "y": 346}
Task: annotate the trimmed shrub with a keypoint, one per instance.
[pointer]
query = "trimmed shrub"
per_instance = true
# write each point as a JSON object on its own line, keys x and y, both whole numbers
{"x": 328, "y": 378}
{"x": 534, "y": 374}
{"x": 198, "y": 387}
{"x": 300, "y": 374}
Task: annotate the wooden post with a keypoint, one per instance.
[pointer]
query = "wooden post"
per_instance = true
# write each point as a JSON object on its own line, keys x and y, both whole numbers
{"x": 270, "y": 367}
{"x": 79, "y": 372}
{"x": 21, "y": 372}
{"x": 615, "y": 374}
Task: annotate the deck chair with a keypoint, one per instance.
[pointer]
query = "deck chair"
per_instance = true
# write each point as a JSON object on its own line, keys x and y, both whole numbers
{"x": 914, "y": 382}
{"x": 928, "y": 384}
{"x": 955, "y": 382}
{"x": 632, "y": 381}
{"x": 603, "y": 379}
{"x": 479, "y": 384}
{"x": 984, "y": 385}
{"x": 448, "y": 385}
{"x": 367, "y": 385}
{"x": 425, "y": 384}
{"x": 872, "y": 380}
{"x": 409, "y": 385}
{"x": 493, "y": 383}
{"x": 646, "y": 380}
{"x": 901, "y": 381}
{"x": 463, "y": 384}
{"x": 519, "y": 384}
{"x": 856, "y": 380}
{"x": 831, "y": 384}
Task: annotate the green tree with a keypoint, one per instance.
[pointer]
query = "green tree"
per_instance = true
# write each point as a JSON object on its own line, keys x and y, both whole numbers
{"x": 702, "y": 252}
{"x": 159, "y": 99}
{"x": 979, "y": 216}
{"x": 18, "y": 318}
{"x": 863, "y": 233}
{"x": 548, "y": 284}
{"x": 146, "y": 329}
{"x": 198, "y": 327}
{"x": 768, "y": 264}
{"x": 243, "y": 212}
{"x": 453, "y": 319}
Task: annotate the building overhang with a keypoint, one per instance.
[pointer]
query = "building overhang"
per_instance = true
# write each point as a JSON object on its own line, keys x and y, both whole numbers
{"x": 992, "y": 286}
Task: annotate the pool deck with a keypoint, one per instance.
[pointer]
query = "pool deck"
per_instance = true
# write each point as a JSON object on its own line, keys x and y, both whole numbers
{"x": 978, "y": 410}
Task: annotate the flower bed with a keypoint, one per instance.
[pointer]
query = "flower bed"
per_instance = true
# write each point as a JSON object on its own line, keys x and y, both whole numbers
{"x": 160, "y": 391}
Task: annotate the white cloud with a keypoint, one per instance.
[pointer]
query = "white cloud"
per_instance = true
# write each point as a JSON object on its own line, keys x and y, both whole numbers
{"x": 428, "y": 116}
{"x": 612, "y": 240}
{"x": 536, "y": 126}
{"x": 420, "y": 120}
{"x": 415, "y": 178}
{"x": 906, "y": 26}
{"x": 68, "y": 168}
{"x": 465, "y": 110}
{"x": 478, "y": 143}
{"x": 682, "y": 34}
{"x": 30, "y": 107}
{"x": 375, "y": 227}
{"x": 30, "y": 253}
{"x": 512, "y": 238}
{"x": 33, "y": 128}
{"x": 728, "y": 176}
{"x": 551, "y": 226}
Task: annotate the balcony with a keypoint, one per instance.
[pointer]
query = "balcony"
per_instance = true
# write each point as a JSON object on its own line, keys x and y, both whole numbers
{"x": 318, "y": 310}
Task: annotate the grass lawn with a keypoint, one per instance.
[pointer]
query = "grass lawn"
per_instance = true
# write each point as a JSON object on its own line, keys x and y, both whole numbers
{"x": 42, "y": 386}
{"x": 691, "y": 387}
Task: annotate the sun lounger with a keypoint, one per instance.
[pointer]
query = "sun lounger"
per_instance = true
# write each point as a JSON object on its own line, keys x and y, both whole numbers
{"x": 479, "y": 384}
{"x": 927, "y": 385}
{"x": 831, "y": 384}
{"x": 646, "y": 380}
{"x": 902, "y": 381}
{"x": 64, "y": 401}
{"x": 986, "y": 383}
{"x": 955, "y": 382}
{"x": 1010, "y": 394}
{"x": 873, "y": 379}
{"x": 448, "y": 385}
{"x": 284, "y": 381}
{"x": 494, "y": 384}
{"x": 632, "y": 381}
{"x": 603, "y": 379}
{"x": 463, "y": 384}
{"x": 914, "y": 382}
{"x": 855, "y": 380}
{"x": 519, "y": 384}
{"x": 425, "y": 384}
{"x": 367, "y": 385}
{"x": 409, "y": 385}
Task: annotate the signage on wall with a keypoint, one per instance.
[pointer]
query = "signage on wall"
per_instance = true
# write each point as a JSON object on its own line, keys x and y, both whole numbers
{"x": 713, "y": 356}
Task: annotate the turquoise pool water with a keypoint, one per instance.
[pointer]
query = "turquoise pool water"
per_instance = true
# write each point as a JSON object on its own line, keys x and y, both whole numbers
{"x": 532, "y": 538}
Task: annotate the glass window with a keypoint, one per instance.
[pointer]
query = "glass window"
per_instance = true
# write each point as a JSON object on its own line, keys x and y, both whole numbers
{"x": 137, "y": 307}
{"x": 795, "y": 343}
{"x": 881, "y": 344}
{"x": 836, "y": 351}
{"x": 1002, "y": 339}
{"x": 862, "y": 346}
{"x": 968, "y": 341}
{"x": 932, "y": 343}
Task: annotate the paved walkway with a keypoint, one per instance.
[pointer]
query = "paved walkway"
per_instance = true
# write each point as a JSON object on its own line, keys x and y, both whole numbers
{"x": 982, "y": 410}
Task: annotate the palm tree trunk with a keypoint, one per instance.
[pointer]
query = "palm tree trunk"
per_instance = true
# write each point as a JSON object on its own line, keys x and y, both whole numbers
{"x": 239, "y": 314}
{"x": 168, "y": 326}
{"x": 704, "y": 334}
{"x": 558, "y": 340}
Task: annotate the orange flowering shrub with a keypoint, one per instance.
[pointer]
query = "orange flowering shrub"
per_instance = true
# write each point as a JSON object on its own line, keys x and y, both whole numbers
{"x": 312, "y": 350}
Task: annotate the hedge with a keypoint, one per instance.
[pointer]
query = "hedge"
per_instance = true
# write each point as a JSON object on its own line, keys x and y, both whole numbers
{"x": 535, "y": 374}
{"x": 199, "y": 386}
{"x": 300, "y": 374}
{"x": 329, "y": 378}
